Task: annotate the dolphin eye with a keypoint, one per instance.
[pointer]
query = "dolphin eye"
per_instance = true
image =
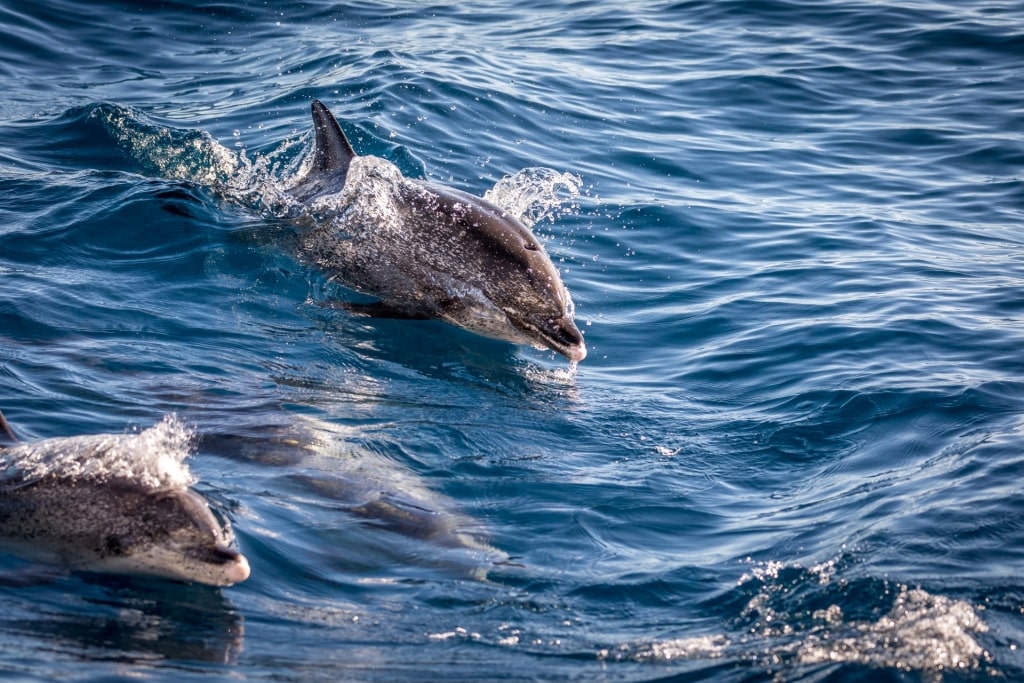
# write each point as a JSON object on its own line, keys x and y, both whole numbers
{"x": 112, "y": 545}
{"x": 530, "y": 246}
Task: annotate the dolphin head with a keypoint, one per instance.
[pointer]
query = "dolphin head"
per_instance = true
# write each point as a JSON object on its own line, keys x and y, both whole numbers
{"x": 537, "y": 304}
{"x": 507, "y": 263}
{"x": 169, "y": 533}
{"x": 119, "y": 526}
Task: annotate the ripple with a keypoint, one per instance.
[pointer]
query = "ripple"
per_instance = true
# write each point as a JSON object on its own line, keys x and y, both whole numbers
{"x": 795, "y": 243}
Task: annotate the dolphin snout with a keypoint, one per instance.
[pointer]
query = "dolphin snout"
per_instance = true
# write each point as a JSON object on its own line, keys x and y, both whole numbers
{"x": 566, "y": 338}
{"x": 577, "y": 354}
{"x": 237, "y": 571}
{"x": 231, "y": 566}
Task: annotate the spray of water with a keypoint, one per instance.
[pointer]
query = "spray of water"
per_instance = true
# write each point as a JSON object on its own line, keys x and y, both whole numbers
{"x": 924, "y": 632}
{"x": 154, "y": 457}
{"x": 537, "y": 194}
{"x": 260, "y": 182}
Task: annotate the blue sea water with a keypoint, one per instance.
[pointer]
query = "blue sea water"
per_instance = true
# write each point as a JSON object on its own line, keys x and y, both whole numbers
{"x": 794, "y": 452}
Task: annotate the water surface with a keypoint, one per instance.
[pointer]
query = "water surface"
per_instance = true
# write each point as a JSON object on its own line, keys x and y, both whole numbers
{"x": 793, "y": 452}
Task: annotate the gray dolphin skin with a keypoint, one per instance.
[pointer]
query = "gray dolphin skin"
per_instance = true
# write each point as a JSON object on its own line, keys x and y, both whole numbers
{"x": 117, "y": 525}
{"x": 428, "y": 251}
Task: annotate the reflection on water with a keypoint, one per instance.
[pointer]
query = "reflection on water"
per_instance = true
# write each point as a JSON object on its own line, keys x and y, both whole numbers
{"x": 126, "y": 620}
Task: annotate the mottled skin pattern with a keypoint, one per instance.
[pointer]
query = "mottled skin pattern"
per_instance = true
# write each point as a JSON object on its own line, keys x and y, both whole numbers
{"x": 433, "y": 252}
{"x": 119, "y": 526}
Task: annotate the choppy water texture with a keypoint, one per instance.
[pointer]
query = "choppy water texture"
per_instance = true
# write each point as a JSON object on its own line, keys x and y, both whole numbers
{"x": 794, "y": 451}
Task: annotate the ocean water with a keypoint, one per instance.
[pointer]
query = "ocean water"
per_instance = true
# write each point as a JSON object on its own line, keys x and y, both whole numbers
{"x": 793, "y": 232}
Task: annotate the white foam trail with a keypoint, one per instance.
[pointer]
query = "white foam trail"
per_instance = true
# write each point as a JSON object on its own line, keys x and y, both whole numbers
{"x": 154, "y": 458}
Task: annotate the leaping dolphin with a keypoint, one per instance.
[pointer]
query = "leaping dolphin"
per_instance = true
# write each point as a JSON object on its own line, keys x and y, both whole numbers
{"x": 429, "y": 251}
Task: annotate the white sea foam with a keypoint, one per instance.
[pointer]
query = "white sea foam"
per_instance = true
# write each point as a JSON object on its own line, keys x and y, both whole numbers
{"x": 924, "y": 632}
{"x": 154, "y": 457}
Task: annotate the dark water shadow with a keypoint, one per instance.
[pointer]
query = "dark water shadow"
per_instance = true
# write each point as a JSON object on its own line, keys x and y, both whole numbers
{"x": 130, "y": 620}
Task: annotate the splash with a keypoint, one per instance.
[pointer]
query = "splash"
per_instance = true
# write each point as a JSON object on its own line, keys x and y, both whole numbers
{"x": 695, "y": 647}
{"x": 924, "y": 632}
{"x": 194, "y": 156}
{"x": 166, "y": 152}
{"x": 537, "y": 194}
{"x": 154, "y": 458}
{"x": 368, "y": 198}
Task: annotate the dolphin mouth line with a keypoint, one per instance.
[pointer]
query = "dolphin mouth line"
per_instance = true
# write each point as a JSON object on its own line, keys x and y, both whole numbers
{"x": 575, "y": 352}
{"x": 237, "y": 571}
{"x": 227, "y": 564}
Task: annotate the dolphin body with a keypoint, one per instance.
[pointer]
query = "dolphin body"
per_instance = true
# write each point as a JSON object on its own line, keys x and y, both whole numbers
{"x": 117, "y": 525}
{"x": 328, "y": 470}
{"x": 429, "y": 251}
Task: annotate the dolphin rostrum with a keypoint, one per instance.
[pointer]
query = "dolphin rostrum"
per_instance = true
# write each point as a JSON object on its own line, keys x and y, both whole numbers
{"x": 428, "y": 251}
{"x": 57, "y": 509}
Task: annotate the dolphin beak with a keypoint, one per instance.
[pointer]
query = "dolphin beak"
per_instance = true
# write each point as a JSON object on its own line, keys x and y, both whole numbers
{"x": 237, "y": 572}
{"x": 231, "y": 566}
{"x": 577, "y": 354}
{"x": 558, "y": 334}
{"x": 562, "y": 335}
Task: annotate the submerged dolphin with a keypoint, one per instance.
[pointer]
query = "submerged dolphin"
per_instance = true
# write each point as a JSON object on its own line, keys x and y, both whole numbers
{"x": 429, "y": 251}
{"x": 328, "y": 470}
{"x": 58, "y": 513}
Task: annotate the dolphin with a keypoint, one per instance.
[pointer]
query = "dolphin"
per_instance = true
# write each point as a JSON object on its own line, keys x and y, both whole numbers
{"x": 326, "y": 469}
{"x": 427, "y": 251}
{"x": 117, "y": 524}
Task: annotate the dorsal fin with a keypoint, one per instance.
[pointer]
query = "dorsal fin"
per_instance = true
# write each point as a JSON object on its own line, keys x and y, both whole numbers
{"x": 5, "y": 429}
{"x": 332, "y": 152}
